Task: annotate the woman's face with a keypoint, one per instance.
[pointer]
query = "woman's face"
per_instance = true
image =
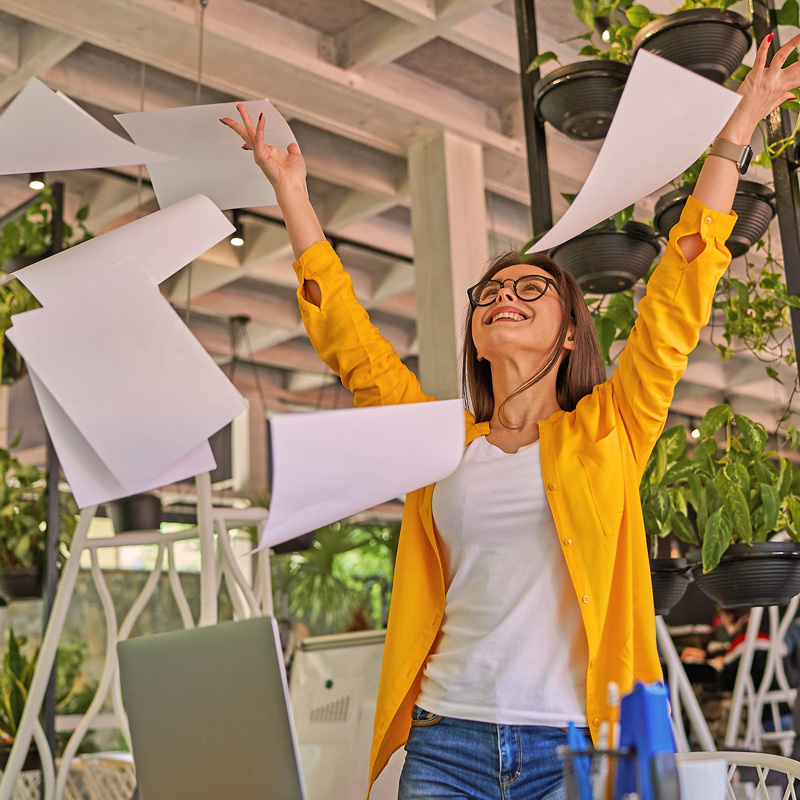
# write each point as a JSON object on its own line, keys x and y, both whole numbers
{"x": 513, "y": 328}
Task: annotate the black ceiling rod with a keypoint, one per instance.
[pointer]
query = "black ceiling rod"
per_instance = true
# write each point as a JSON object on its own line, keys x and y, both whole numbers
{"x": 53, "y": 475}
{"x": 538, "y": 173}
{"x": 784, "y": 174}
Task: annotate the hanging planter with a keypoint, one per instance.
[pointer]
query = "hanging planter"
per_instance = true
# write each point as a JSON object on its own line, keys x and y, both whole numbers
{"x": 754, "y": 204}
{"x": 761, "y": 574}
{"x": 580, "y": 99}
{"x": 32, "y": 762}
{"x": 21, "y": 583}
{"x": 707, "y": 41}
{"x": 609, "y": 260}
{"x": 670, "y": 577}
{"x": 139, "y": 512}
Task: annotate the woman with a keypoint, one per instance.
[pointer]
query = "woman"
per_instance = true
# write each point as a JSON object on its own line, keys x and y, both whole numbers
{"x": 522, "y": 581}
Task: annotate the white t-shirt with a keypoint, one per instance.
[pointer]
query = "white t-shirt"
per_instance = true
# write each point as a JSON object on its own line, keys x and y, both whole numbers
{"x": 512, "y": 648}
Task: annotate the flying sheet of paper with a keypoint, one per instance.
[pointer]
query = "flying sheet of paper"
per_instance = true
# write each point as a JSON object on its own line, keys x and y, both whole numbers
{"x": 211, "y": 160}
{"x": 126, "y": 372}
{"x": 667, "y": 116}
{"x": 161, "y": 243}
{"x": 89, "y": 478}
{"x": 42, "y": 131}
{"x": 331, "y": 464}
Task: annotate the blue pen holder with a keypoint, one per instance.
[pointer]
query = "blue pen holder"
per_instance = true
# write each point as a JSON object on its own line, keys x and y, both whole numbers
{"x": 645, "y": 728}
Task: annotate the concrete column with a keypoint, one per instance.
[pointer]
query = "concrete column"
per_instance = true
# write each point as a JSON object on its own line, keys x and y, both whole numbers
{"x": 448, "y": 223}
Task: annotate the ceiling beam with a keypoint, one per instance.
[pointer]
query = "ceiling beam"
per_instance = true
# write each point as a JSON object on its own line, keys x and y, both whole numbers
{"x": 39, "y": 49}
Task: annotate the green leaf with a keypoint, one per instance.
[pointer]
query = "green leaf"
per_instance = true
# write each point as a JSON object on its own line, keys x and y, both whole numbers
{"x": 682, "y": 528}
{"x": 705, "y": 449}
{"x": 716, "y": 540}
{"x": 771, "y": 505}
{"x": 542, "y": 58}
{"x": 584, "y": 12}
{"x": 714, "y": 419}
{"x": 638, "y": 16}
{"x": 82, "y": 214}
{"x": 661, "y": 461}
{"x": 737, "y": 473}
{"x": 675, "y": 441}
{"x": 784, "y": 478}
{"x": 659, "y": 501}
{"x": 678, "y": 472}
{"x": 651, "y": 525}
{"x": 735, "y": 504}
{"x": 788, "y": 14}
{"x": 606, "y": 335}
{"x": 752, "y": 435}
{"x": 773, "y": 373}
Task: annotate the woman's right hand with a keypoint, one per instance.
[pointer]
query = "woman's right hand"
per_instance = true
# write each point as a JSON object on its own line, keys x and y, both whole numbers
{"x": 285, "y": 169}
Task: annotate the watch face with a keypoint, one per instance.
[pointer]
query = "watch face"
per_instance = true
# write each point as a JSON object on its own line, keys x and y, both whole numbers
{"x": 747, "y": 157}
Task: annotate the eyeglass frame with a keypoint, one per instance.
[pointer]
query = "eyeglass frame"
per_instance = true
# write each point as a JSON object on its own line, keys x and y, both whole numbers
{"x": 547, "y": 283}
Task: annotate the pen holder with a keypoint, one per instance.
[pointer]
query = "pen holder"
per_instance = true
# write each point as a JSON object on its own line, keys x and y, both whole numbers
{"x": 591, "y": 774}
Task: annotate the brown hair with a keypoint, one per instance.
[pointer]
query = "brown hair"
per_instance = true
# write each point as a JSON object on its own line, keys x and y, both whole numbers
{"x": 581, "y": 368}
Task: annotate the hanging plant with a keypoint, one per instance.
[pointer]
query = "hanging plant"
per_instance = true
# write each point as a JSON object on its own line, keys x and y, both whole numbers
{"x": 23, "y": 241}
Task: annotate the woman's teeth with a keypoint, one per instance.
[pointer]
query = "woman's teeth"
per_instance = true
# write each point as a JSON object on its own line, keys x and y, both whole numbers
{"x": 508, "y": 315}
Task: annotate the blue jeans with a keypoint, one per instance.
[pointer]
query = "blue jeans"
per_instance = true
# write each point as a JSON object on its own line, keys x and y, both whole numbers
{"x": 455, "y": 759}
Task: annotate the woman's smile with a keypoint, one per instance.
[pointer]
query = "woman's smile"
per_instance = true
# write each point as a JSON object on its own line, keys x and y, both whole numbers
{"x": 508, "y": 313}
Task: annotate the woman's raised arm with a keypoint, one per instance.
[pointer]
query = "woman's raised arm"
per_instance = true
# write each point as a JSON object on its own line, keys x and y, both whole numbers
{"x": 286, "y": 171}
{"x": 763, "y": 89}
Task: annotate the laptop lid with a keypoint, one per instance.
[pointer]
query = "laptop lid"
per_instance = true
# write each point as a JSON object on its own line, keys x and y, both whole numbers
{"x": 209, "y": 714}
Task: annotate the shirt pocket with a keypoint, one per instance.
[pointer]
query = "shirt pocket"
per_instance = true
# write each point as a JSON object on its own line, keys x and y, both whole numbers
{"x": 602, "y": 464}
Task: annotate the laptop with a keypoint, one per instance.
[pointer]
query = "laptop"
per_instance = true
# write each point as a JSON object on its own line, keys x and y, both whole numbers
{"x": 209, "y": 714}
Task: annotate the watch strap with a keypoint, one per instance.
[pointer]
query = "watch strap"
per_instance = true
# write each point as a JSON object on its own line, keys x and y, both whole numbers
{"x": 735, "y": 152}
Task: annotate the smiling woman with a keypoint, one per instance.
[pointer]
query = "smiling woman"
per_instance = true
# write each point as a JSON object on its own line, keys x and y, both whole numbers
{"x": 522, "y": 581}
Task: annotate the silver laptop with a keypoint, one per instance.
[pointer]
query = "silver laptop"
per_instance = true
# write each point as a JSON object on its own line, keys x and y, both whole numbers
{"x": 209, "y": 714}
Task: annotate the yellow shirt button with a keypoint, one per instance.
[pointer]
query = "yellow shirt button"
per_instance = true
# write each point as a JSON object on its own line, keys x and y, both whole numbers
{"x": 708, "y": 220}
{"x": 585, "y": 598}
{"x": 552, "y": 486}
{"x": 567, "y": 542}
{"x": 596, "y": 722}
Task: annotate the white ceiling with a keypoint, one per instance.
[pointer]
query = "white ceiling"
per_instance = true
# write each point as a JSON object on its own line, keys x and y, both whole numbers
{"x": 358, "y": 81}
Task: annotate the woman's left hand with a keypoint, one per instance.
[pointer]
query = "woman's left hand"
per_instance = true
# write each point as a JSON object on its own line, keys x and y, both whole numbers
{"x": 766, "y": 87}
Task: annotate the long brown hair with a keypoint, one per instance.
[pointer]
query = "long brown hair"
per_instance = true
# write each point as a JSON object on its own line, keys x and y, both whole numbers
{"x": 581, "y": 368}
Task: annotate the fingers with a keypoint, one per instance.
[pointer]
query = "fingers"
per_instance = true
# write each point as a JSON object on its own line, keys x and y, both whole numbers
{"x": 248, "y": 123}
{"x": 234, "y": 126}
{"x": 260, "y": 128}
{"x": 759, "y": 62}
{"x": 784, "y": 52}
{"x": 293, "y": 149}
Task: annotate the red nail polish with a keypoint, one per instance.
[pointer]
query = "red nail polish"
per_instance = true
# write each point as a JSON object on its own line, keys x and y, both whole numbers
{"x": 222, "y": 121}
{"x": 261, "y": 116}
{"x": 770, "y": 37}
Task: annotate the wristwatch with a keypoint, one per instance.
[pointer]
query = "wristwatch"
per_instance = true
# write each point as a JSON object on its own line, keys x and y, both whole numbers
{"x": 742, "y": 155}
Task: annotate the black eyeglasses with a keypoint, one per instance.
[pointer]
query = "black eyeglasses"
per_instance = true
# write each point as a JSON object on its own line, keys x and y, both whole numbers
{"x": 529, "y": 287}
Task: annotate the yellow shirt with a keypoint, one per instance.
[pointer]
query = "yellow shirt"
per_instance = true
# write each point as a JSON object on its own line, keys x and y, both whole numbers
{"x": 592, "y": 461}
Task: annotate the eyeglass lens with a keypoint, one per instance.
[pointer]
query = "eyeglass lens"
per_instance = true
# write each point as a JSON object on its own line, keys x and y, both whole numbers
{"x": 530, "y": 287}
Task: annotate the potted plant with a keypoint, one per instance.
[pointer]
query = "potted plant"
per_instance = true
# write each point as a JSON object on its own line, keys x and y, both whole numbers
{"x": 22, "y": 242}
{"x": 139, "y": 512}
{"x": 740, "y": 496}
{"x": 704, "y": 37}
{"x": 610, "y": 257}
{"x": 15, "y": 681}
{"x": 23, "y": 536}
{"x": 664, "y": 508}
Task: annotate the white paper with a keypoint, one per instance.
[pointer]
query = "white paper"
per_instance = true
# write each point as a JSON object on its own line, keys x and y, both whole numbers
{"x": 161, "y": 243}
{"x": 130, "y": 379}
{"x": 90, "y": 480}
{"x": 667, "y": 116}
{"x": 331, "y": 464}
{"x": 211, "y": 160}
{"x": 42, "y": 131}
{"x": 705, "y": 779}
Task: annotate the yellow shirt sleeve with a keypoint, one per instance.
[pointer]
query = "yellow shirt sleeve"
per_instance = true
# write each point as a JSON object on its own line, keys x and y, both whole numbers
{"x": 676, "y": 306}
{"x": 344, "y": 337}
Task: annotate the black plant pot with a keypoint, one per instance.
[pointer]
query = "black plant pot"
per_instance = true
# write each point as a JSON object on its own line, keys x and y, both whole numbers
{"x": 303, "y": 542}
{"x": 139, "y": 512}
{"x": 762, "y": 574}
{"x": 670, "y": 577}
{"x": 606, "y": 261}
{"x": 580, "y": 99}
{"x": 32, "y": 763}
{"x": 754, "y": 204}
{"x": 707, "y": 41}
{"x": 21, "y": 583}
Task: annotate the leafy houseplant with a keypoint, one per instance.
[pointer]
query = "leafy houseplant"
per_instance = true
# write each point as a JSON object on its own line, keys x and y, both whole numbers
{"x": 23, "y": 241}
{"x": 15, "y": 682}
{"x": 738, "y": 496}
{"x": 23, "y": 536}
